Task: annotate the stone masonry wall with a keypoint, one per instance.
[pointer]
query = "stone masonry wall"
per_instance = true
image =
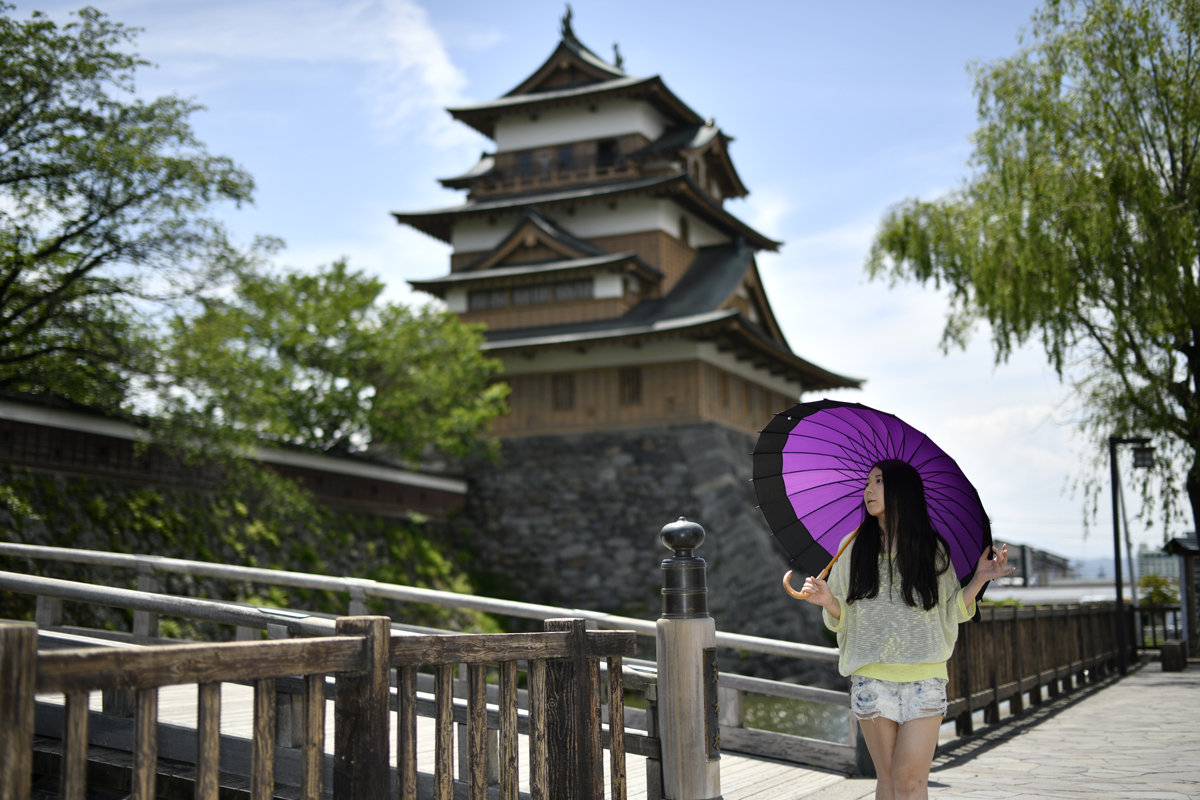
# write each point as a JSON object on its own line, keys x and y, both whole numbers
{"x": 573, "y": 520}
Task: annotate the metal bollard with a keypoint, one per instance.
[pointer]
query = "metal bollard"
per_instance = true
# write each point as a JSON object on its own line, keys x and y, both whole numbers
{"x": 687, "y": 672}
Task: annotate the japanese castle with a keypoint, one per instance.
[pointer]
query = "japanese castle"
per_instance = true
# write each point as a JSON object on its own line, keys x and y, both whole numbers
{"x": 595, "y": 246}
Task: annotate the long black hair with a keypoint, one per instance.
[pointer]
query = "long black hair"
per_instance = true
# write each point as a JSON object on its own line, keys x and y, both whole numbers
{"x": 921, "y": 555}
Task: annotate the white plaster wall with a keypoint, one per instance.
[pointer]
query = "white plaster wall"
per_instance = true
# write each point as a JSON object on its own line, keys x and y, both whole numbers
{"x": 456, "y": 300}
{"x": 634, "y": 215}
{"x": 476, "y": 233}
{"x": 576, "y": 123}
{"x": 607, "y": 284}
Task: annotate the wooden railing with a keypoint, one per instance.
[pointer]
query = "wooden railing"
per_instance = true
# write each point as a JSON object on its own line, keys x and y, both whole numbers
{"x": 1159, "y": 624}
{"x": 1016, "y": 651}
{"x": 1009, "y": 654}
{"x": 563, "y": 721}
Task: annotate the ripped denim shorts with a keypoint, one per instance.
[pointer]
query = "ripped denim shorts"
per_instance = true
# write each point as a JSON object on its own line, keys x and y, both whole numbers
{"x": 899, "y": 702}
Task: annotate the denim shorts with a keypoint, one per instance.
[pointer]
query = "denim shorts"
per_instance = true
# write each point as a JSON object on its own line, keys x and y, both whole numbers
{"x": 899, "y": 702}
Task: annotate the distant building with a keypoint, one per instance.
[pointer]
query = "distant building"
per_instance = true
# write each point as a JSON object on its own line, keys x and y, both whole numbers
{"x": 1036, "y": 567}
{"x": 595, "y": 245}
{"x": 1156, "y": 562}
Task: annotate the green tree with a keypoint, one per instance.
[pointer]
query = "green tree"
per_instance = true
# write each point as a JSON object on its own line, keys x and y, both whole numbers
{"x": 104, "y": 203}
{"x": 320, "y": 360}
{"x": 1080, "y": 224}
{"x": 1157, "y": 591}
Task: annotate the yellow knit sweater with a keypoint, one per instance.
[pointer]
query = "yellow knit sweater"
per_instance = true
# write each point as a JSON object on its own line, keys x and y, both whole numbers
{"x": 883, "y": 637}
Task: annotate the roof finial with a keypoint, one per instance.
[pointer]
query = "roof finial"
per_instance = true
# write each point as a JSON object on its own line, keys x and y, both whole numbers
{"x": 618, "y": 62}
{"x": 566, "y": 23}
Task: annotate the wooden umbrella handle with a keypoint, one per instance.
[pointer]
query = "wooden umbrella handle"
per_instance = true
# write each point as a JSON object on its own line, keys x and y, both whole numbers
{"x": 787, "y": 582}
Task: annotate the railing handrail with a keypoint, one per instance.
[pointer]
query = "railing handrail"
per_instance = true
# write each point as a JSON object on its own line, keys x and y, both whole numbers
{"x": 512, "y": 608}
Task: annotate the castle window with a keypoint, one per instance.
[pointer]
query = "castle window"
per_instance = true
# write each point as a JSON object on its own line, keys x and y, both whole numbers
{"x": 531, "y": 295}
{"x": 525, "y": 163}
{"x": 482, "y": 299}
{"x": 563, "y": 387}
{"x": 566, "y": 158}
{"x": 574, "y": 290}
{"x": 683, "y": 231}
{"x": 629, "y": 381}
{"x": 607, "y": 151}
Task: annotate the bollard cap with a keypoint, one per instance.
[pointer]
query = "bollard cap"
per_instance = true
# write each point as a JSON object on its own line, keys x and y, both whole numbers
{"x": 682, "y": 537}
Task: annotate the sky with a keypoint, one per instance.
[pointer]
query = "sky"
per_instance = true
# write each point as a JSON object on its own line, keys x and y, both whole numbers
{"x": 839, "y": 110}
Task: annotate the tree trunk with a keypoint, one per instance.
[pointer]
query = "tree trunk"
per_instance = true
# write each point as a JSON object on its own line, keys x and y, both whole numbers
{"x": 1193, "y": 488}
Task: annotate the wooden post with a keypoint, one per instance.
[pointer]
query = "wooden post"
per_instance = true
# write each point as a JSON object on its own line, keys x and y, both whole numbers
{"x": 360, "y": 732}
{"x": 443, "y": 758}
{"x": 654, "y": 773}
{"x": 406, "y": 733}
{"x": 574, "y": 749}
{"x": 262, "y": 765}
{"x": 145, "y": 745}
{"x": 1016, "y": 703}
{"x": 18, "y": 668}
{"x": 509, "y": 752}
{"x": 964, "y": 724}
{"x": 687, "y": 678}
{"x": 1035, "y": 693}
{"x": 73, "y": 772}
{"x": 145, "y": 623}
{"x": 312, "y": 758}
{"x": 208, "y": 741}
{"x": 616, "y": 728}
{"x": 48, "y": 612}
{"x": 991, "y": 712}
{"x": 539, "y": 781}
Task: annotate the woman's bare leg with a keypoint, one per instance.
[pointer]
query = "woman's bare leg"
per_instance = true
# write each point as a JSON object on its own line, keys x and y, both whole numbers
{"x": 880, "y": 735}
{"x": 912, "y": 757}
{"x": 902, "y": 755}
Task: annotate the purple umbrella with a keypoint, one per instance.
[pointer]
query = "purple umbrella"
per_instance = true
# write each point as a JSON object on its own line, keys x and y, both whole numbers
{"x": 810, "y": 468}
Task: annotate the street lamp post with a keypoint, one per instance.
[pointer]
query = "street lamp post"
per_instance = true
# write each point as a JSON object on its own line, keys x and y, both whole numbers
{"x": 1143, "y": 456}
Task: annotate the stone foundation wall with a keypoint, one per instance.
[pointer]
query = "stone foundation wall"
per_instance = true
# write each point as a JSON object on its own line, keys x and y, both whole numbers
{"x": 573, "y": 520}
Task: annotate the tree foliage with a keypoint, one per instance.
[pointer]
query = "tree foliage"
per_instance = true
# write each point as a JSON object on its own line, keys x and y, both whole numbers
{"x": 104, "y": 202}
{"x": 321, "y": 360}
{"x": 1080, "y": 225}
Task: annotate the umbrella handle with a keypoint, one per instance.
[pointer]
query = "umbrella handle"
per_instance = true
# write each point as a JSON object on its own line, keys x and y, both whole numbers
{"x": 787, "y": 585}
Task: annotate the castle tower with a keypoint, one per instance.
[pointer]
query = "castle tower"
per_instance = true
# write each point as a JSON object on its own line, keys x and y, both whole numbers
{"x": 643, "y": 354}
{"x": 594, "y": 243}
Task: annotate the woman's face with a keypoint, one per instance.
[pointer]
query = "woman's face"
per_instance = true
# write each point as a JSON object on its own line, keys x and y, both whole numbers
{"x": 873, "y": 494}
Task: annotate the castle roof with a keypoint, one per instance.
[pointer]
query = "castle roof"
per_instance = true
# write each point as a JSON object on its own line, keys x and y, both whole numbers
{"x": 690, "y": 309}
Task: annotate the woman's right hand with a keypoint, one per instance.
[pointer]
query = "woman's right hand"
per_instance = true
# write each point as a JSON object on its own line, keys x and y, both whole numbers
{"x": 818, "y": 591}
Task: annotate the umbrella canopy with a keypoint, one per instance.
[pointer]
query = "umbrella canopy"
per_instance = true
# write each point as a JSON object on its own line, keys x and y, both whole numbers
{"x": 810, "y": 469}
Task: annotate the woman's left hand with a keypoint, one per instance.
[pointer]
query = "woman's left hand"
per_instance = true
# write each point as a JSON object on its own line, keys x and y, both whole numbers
{"x": 989, "y": 569}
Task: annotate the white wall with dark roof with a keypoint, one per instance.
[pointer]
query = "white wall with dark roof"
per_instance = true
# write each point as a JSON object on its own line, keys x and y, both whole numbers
{"x": 634, "y": 215}
{"x": 574, "y": 123}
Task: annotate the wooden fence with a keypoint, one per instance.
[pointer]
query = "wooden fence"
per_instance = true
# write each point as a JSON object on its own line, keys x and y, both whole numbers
{"x": 565, "y": 737}
{"x": 1008, "y": 655}
{"x": 1017, "y": 651}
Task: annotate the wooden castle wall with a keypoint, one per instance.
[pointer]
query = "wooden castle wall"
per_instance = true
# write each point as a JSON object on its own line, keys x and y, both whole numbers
{"x": 670, "y": 394}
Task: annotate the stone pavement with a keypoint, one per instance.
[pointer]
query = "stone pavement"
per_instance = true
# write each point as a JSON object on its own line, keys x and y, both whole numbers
{"x": 1137, "y": 737}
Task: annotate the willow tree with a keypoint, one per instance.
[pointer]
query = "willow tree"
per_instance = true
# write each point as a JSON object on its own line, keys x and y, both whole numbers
{"x": 1079, "y": 226}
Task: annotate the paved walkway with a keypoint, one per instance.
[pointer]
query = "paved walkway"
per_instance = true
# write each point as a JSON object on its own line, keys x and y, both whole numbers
{"x": 1138, "y": 737}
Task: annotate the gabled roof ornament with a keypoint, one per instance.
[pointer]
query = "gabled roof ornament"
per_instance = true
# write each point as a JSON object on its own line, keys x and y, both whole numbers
{"x": 618, "y": 61}
{"x": 567, "y": 33}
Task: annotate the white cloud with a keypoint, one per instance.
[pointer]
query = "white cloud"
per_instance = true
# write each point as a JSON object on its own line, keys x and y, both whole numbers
{"x": 408, "y": 77}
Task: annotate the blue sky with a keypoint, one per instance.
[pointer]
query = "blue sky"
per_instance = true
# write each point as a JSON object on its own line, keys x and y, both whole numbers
{"x": 838, "y": 109}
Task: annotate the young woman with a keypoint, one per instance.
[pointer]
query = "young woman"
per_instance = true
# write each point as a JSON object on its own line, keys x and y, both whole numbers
{"x": 895, "y": 604}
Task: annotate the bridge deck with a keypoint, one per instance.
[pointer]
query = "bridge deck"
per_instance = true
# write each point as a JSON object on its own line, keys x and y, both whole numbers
{"x": 741, "y": 777}
{"x": 1134, "y": 737}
